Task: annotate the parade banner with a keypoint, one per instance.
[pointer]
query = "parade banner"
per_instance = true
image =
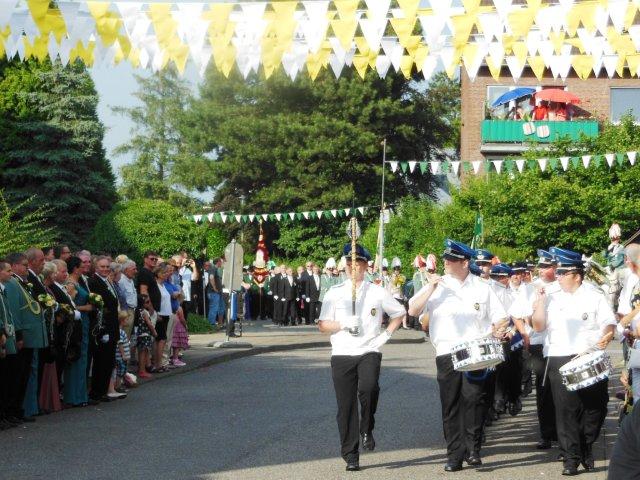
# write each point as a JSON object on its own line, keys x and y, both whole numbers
{"x": 511, "y": 165}
{"x": 224, "y": 217}
{"x": 587, "y": 37}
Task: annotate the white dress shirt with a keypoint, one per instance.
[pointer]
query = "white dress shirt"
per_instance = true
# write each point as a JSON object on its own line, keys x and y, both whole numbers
{"x": 371, "y": 302}
{"x": 129, "y": 288}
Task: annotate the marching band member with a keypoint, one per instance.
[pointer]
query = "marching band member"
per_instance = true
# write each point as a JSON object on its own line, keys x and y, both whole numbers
{"x": 484, "y": 261}
{"x": 356, "y": 358}
{"x": 458, "y": 307}
{"x": 523, "y": 308}
{"x": 576, "y": 318}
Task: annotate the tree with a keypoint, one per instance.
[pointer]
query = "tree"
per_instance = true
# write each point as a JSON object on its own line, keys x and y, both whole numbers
{"x": 133, "y": 227}
{"x": 19, "y": 231}
{"x": 306, "y": 145}
{"x": 52, "y": 147}
{"x": 163, "y": 166}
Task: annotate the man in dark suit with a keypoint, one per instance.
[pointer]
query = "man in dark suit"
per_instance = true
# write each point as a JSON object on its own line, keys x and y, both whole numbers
{"x": 289, "y": 292}
{"x": 277, "y": 287}
{"x": 105, "y": 338}
{"x": 312, "y": 295}
{"x": 35, "y": 258}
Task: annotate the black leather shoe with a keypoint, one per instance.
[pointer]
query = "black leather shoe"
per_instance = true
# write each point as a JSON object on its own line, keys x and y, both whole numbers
{"x": 543, "y": 444}
{"x": 93, "y": 401}
{"x": 368, "y": 442}
{"x": 353, "y": 466}
{"x": 453, "y": 467}
{"x": 560, "y": 457}
{"x": 515, "y": 408}
{"x": 570, "y": 471}
{"x": 588, "y": 463}
{"x": 474, "y": 460}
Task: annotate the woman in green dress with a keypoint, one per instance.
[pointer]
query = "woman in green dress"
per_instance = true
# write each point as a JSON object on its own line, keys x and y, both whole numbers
{"x": 75, "y": 373}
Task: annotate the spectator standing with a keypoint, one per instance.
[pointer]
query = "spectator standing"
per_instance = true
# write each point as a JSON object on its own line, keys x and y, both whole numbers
{"x": 214, "y": 294}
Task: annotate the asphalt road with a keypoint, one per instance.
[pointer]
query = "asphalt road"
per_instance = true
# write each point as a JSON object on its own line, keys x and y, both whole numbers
{"x": 268, "y": 416}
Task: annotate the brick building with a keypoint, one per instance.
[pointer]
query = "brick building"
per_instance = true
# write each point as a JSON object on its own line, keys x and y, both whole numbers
{"x": 486, "y": 135}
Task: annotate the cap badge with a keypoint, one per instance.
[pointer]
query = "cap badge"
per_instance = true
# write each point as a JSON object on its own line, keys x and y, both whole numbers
{"x": 476, "y": 306}
{"x": 584, "y": 316}
{"x": 373, "y": 312}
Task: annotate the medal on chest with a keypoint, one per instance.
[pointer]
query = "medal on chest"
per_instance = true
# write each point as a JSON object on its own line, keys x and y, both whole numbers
{"x": 374, "y": 311}
{"x": 476, "y": 306}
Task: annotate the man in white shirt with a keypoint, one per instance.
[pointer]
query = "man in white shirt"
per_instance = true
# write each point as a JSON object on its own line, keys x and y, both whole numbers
{"x": 355, "y": 351}
{"x": 128, "y": 287}
{"x": 522, "y": 307}
{"x": 458, "y": 307}
{"x": 576, "y": 318}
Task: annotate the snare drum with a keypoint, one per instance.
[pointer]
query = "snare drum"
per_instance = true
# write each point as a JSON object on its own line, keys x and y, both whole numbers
{"x": 586, "y": 370}
{"x": 477, "y": 354}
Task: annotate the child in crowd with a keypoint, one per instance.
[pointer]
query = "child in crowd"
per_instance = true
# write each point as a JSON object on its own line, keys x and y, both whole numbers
{"x": 180, "y": 339}
{"x": 145, "y": 317}
{"x": 123, "y": 353}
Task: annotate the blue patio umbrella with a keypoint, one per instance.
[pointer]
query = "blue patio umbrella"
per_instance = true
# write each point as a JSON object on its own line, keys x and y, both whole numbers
{"x": 513, "y": 95}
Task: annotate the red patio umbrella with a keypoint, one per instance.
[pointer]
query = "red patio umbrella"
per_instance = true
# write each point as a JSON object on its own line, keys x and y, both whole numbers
{"x": 556, "y": 95}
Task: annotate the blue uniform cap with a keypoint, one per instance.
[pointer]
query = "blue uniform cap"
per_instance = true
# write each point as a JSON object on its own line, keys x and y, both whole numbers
{"x": 475, "y": 269}
{"x": 483, "y": 256}
{"x": 567, "y": 260}
{"x": 501, "y": 270}
{"x": 518, "y": 267}
{"x": 361, "y": 252}
{"x": 457, "y": 250}
{"x": 545, "y": 259}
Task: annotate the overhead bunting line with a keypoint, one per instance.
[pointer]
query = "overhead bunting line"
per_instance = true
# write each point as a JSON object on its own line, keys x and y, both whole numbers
{"x": 229, "y": 217}
{"x": 512, "y": 165}
{"x": 585, "y": 37}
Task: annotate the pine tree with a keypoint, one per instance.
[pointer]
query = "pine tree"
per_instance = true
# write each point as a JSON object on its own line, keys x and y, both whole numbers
{"x": 51, "y": 146}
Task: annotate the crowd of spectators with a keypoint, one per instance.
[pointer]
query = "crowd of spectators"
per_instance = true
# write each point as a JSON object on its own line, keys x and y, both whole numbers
{"x": 79, "y": 329}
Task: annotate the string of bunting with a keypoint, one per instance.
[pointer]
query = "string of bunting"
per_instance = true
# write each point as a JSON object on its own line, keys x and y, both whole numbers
{"x": 224, "y": 217}
{"x": 309, "y": 36}
{"x": 511, "y": 165}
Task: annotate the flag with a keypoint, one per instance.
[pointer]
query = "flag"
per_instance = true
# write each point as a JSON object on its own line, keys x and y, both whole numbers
{"x": 478, "y": 232}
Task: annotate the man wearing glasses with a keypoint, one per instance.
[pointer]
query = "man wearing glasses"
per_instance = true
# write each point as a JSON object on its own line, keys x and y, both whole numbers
{"x": 576, "y": 318}
{"x": 147, "y": 284}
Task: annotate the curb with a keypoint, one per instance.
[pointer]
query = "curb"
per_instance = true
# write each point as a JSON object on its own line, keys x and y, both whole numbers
{"x": 249, "y": 352}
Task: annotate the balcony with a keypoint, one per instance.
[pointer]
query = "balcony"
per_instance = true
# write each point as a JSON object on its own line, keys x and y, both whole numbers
{"x": 520, "y": 131}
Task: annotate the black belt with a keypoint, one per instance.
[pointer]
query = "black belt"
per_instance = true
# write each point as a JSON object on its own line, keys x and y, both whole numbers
{"x": 163, "y": 317}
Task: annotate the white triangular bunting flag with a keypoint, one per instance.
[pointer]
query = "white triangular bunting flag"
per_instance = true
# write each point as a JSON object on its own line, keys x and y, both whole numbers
{"x": 347, "y": 211}
{"x": 334, "y": 212}
{"x": 498, "y": 165}
{"x": 278, "y": 216}
{"x": 542, "y": 162}
{"x": 610, "y": 158}
{"x": 197, "y": 218}
{"x": 292, "y": 215}
{"x": 265, "y": 216}
{"x": 455, "y": 164}
{"x": 412, "y": 165}
{"x": 251, "y": 217}
{"x": 224, "y": 217}
{"x": 564, "y": 161}
{"x": 435, "y": 167}
{"x": 305, "y": 215}
{"x": 586, "y": 160}
{"x": 361, "y": 210}
{"x": 210, "y": 217}
{"x": 319, "y": 214}
{"x": 238, "y": 218}
{"x": 610, "y": 62}
{"x": 632, "y": 157}
{"x": 476, "y": 166}
{"x": 520, "y": 164}
{"x": 394, "y": 167}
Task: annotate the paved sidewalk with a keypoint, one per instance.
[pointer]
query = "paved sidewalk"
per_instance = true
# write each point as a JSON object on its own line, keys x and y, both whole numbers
{"x": 265, "y": 337}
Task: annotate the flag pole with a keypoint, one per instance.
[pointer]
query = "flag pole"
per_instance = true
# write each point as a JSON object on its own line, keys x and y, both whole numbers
{"x": 381, "y": 230}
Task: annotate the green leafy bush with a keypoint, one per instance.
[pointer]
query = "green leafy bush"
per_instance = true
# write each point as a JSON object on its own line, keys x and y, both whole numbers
{"x": 139, "y": 225}
{"x": 216, "y": 241}
{"x": 199, "y": 324}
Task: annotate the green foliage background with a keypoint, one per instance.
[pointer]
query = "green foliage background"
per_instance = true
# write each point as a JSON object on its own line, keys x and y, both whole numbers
{"x": 138, "y": 225}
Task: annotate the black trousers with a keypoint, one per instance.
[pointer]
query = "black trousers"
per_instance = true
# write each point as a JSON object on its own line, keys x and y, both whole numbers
{"x": 544, "y": 397}
{"x": 278, "y": 311}
{"x": 104, "y": 360}
{"x": 313, "y": 309}
{"x": 289, "y": 312}
{"x": 355, "y": 380}
{"x": 510, "y": 375}
{"x": 6, "y": 378}
{"x": 19, "y": 366}
{"x": 462, "y": 405}
{"x": 579, "y": 414}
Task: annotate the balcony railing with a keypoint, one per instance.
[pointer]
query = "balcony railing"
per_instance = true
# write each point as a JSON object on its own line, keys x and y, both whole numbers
{"x": 520, "y": 131}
